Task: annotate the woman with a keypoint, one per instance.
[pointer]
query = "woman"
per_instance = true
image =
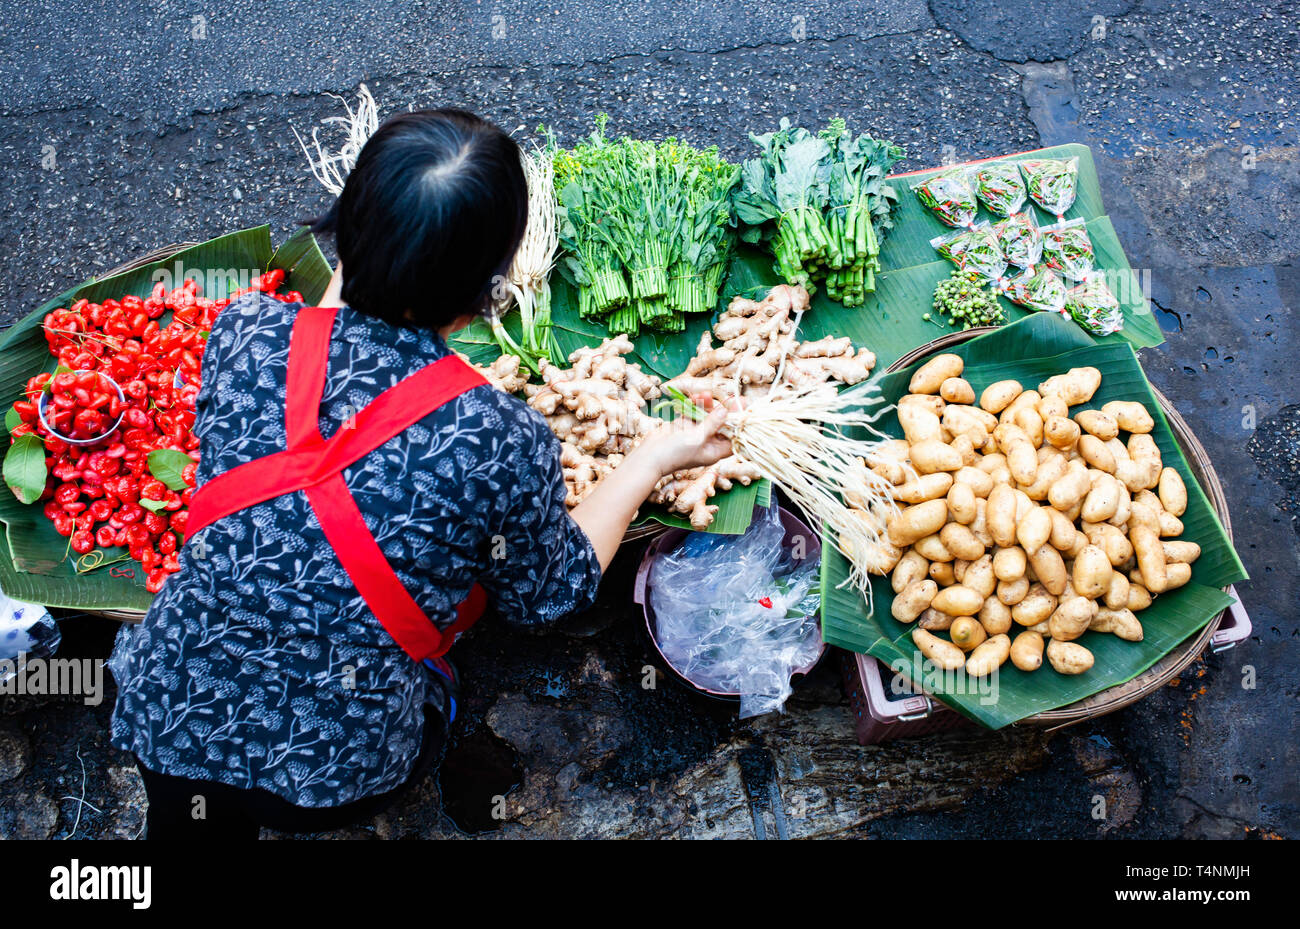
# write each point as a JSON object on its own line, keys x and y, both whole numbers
{"x": 361, "y": 493}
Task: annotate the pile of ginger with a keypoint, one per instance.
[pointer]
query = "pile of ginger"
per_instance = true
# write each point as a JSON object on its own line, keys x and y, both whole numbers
{"x": 599, "y": 406}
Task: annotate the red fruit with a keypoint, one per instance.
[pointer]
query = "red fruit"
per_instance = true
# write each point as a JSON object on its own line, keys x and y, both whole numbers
{"x": 154, "y": 581}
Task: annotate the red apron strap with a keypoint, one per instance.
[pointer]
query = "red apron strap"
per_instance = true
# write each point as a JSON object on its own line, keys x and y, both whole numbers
{"x": 315, "y": 465}
{"x": 392, "y": 412}
{"x": 309, "y": 350}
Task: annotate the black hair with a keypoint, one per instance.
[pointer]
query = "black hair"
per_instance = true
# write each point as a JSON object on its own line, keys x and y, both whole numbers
{"x": 430, "y": 216}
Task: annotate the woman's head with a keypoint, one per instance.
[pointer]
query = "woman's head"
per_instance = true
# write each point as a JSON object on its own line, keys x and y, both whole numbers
{"x": 432, "y": 212}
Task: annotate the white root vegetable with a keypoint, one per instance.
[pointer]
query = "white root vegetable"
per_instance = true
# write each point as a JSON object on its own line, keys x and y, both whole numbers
{"x": 331, "y": 169}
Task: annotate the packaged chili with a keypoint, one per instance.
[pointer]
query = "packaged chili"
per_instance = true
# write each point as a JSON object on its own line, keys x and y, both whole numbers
{"x": 998, "y": 186}
{"x": 1068, "y": 249}
{"x": 1040, "y": 289}
{"x": 1094, "y": 306}
{"x": 976, "y": 251}
{"x": 950, "y": 196}
{"x": 1020, "y": 238}
{"x": 1052, "y": 183}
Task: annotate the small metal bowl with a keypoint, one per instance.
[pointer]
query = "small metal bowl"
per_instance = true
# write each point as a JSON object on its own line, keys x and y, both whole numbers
{"x": 44, "y": 403}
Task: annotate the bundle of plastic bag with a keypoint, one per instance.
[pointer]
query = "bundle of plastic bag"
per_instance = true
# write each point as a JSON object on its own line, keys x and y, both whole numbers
{"x": 27, "y": 630}
{"x": 738, "y": 614}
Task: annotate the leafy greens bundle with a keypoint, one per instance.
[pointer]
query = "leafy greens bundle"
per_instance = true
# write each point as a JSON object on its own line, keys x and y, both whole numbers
{"x": 820, "y": 204}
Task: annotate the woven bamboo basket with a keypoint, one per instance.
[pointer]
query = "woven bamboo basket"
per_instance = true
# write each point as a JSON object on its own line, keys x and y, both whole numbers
{"x": 648, "y": 530}
{"x": 1173, "y": 664}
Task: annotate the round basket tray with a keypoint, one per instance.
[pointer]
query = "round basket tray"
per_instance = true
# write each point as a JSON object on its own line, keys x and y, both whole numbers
{"x": 1171, "y": 665}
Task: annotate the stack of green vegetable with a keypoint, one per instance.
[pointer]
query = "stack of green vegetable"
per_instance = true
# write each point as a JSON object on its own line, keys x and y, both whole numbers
{"x": 819, "y": 203}
{"x": 645, "y": 229}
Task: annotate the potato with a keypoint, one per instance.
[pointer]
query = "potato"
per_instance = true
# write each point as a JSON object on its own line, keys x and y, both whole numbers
{"x": 1000, "y": 515}
{"x": 1094, "y": 451}
{"x": 978, "y": 481}
{"x": 1102, "y": 502}
{"x": 1051, "y": 468}
{"x": 1180, "y": 552}
{"x": 1009, "y": 563}
{"x": 959, "y": 567}
{"x": 1131, "y": 415}
{"x": 1117, "y": 594}
{"x": 1068, "y": 657}
{"x": 1063, "y": 532}
{"x": 995, "y": 616}
{"x": 1035, "y": 608}
{"x": 1013, "y": 591}
{"x": 1049, "y": 568}
{"x": 1070, "y": 490}
{"x": 1030, "y": 422}
{"x": 1110, "y": 540}
{"x": 1074, "y": 386}
{"x": 919, "y": 424}
{"x": 911, "y": 567}
{"x": 957, "y": 390}
{"x": 935, "y": 621}
{"x": 931, "y": 547}
{"x": 1144, "y": 533}
{"x": 1096, "y": 423}
{"x": 1121, "y": 623}
{"x": 1146, "y": 468}
{"x": 1139, "y": 598}
{"x": 966, "y": 633}
{"x": 1060, "y": 432}
{"x": 1034, "y": 529}
{"x": 933, "y": 455}
{"x": 959, "y": 600}
{"x": 1051, "y": 406}
{"x": 924, "y": 487}
{"x": 931, "y": 375}
{"x": 979, "y": 576}
{"x": 1022, "y": 457}
{"x": 1027, "y": 651}
{"x": 979, "y": 526}
{"x": 887, "y": 460}
{"x": 961, "y": 503}
{"x": 945, "y": 655}
{"x": 913, "y": 601}
{"x": 1176, "y": 575}
{"x": 1092, "y": 572}
{"x": 1071, "y": 618}
{"x": 988, "y": 656}
{"x": 943, "y": 573}
{"x": 1173, "y": 492}
{"x": 998, "y": 396}
{"x": 959, "y": 540}
{"x": 916, "y": 522}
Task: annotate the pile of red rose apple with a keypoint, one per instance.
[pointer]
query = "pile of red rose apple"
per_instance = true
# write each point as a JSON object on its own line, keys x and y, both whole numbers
{"x": 120, "y": 454}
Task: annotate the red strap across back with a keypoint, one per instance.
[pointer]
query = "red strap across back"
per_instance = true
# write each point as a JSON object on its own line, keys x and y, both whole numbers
{"x": 315, "y": 465}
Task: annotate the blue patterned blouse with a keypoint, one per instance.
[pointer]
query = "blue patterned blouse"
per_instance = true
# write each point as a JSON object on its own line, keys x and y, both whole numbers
{"x": 258, "y": 664}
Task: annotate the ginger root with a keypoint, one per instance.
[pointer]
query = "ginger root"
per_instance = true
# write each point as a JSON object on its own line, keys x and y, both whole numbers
{"x": 503, "y": 374}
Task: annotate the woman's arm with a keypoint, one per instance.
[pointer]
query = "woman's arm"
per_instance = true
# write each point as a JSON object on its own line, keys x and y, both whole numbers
{"x": 605, "y": 515}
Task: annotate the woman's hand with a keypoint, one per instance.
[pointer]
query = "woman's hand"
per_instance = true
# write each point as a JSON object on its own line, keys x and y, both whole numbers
{"x": 688, "y": 444}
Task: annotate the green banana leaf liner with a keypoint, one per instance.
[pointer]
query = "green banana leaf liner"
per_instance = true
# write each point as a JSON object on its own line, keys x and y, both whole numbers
{"x": 1030, "y": 351}
{"x": 35, "y": 563}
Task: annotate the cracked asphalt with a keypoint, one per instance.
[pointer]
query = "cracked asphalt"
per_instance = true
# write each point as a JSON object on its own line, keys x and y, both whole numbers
{"x": 131, "y": 125}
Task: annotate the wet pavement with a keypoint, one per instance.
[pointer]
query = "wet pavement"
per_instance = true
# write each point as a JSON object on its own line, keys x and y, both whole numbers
{"x": 157, "y": 123}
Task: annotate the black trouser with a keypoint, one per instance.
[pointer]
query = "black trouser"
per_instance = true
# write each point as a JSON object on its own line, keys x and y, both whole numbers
{"x": 238, "y": 813}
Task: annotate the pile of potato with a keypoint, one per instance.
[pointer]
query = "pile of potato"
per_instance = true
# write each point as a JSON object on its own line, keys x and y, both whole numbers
{"x": 1016, "y": 515}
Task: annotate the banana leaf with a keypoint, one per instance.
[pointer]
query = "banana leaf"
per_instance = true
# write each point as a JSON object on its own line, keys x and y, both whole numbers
{"x": 1031, "y": 350}
{"x": 36, "y": 564}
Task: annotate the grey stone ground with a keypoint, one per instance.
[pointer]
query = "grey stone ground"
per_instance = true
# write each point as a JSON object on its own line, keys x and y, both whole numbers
{"x": 170, "y": 121}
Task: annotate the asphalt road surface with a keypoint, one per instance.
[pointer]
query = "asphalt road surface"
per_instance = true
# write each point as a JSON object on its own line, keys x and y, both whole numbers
{"x": 126, "y": 126}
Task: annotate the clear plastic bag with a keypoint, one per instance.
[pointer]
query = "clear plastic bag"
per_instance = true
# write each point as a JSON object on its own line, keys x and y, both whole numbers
{"x": 27, "y": 630}
{"x": 738, "y": 614}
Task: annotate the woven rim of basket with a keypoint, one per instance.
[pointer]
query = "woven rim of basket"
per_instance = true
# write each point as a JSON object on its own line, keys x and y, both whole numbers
{"x": 633, "y": 534}
{"x": 1187, "y": 651}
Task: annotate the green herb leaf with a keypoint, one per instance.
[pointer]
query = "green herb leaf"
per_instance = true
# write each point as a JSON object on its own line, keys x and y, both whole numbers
{"x": 153, "y": 506}
{"x": 166, "y": 464}
{"x": 12, "y": 419}
{"x": 24, "y": 468}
